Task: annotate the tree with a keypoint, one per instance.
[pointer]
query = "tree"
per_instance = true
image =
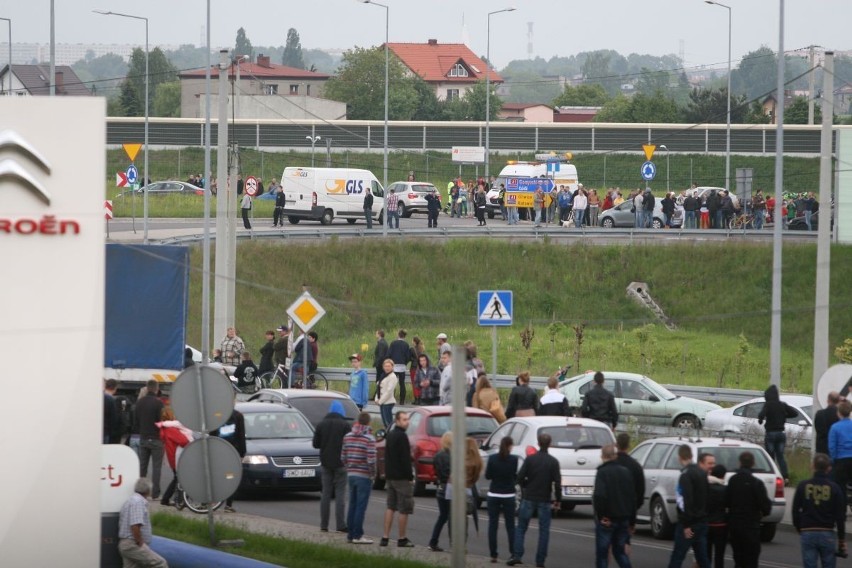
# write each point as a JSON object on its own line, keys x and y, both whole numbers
{"x": 653, "y": 81}
{"x": 428, "y": 105}
{"x": 292, "y": 56}
{"x": 243, "y": 45}
{"x": 167, "y": 100}
{"x": 756, "y": 114}
{"x": 640, "y": 108}
{"x": 160, "y": 71}
{"x": 188, "y": 57}
{"x": 129, "y": 103}
{"x": 530, "y": 87}
{"x": 797, "y": 112}
{"x": 360, "y": 83}
{"x": 582, "y": 95}
{"x": 757, "y": 74}
{"x": 104, "y": 73}
{"x": 321, "y": 61}
{"x": 711, "y": 106}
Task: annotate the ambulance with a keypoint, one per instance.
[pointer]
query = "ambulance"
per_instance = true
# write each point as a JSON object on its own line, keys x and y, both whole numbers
{"x": 554, "y": 167}
{"x": 323, "y": 194}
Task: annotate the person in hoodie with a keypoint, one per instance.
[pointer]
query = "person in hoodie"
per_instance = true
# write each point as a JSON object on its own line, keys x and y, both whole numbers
{"x": 691, "y": 529}
{"x": 234, "y": 432}
{"x": 359, "y": 385}
{"x": 358, "y": 454}
{"x": 747, "y": 502}
{"x": 328, "y": 438}
{"x": 717, "y": 516}
{"x": 174, "y": 436}
{"x": 428, "y": 378}
{"x": 775, "y": 413}
{"x": 553, "y": 402}
{"x": 818, "y": 506}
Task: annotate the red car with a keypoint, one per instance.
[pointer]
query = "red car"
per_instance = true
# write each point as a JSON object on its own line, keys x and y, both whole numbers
{"x": 428, "y": 424}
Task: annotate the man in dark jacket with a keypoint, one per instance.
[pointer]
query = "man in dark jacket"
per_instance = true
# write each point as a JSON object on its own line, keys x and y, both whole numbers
{"x": 328, "y": 438}
{"x": 615, "y": 509}
{"x": 148, "y": 412}
{"x": 713, "y": 203}
{"x": 776, "y": 413}
{"x": 368, "y": 208}
{"x": 818, "y": 506}
{"x": 398, "y": 480}
{"x": 433, "y": 208}
{"x": 599, "y": 403}
{"x": 823, "y": 420}
{"x": 234, "y": 432}
{"x": 399, "y": 352}
{"x": 541, "y": 489}
{"x": 380, "y": 353}
{"x": 281, "y": 347}
{"x": 637, "y": 474}
{"x": 523, "y": 401}
{"x": 691, "y": 529}
{"x": 280, "y": 204}
{"x": 266, "y": 353}
{"x": 747, "y": 503}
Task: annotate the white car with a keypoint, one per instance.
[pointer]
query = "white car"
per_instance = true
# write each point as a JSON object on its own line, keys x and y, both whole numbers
{"x": 576, "y": 443}
{"x": 742, "y": 419}
{"x": 412, "y": 196}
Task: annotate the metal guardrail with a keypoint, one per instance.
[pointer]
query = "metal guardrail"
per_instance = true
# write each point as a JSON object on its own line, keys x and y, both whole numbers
{"x": 709, "y": 394}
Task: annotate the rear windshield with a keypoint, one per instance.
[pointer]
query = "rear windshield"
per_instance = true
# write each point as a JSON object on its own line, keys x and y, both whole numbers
{"x": 266, "y": 425}
{"x": 315, "y": 409}
{"x": 476, "y": 425}
{"x": 423, "y": 188}
{"x": 730, "y": 458}
{"x": 577, "y": 438}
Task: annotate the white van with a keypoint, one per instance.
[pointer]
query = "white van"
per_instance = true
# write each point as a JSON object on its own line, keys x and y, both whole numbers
{"x": 567, "y": 175}
{"x": 321, "y": 194}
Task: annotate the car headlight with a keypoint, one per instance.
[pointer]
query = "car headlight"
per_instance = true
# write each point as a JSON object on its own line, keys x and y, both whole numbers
{"x": 256, "y": 460}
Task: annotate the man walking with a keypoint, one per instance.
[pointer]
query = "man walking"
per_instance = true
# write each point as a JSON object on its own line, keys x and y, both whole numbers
{"x": 245, "y": 209}
{"x": 398, "y": 480}
{"x": 818, "y": 506}
{"x": 380, "y": 353}
{"x": 775, "y": 413}
{"x": 599, "y": 403}
{"x": 691, "y": 528}
{"x": 148, "y": 411}
{"x": 134, "y": 529}
{"x": 540, "y": 480}
{"x": 399, "y": 351}
{"x": 615, "y": 509}
{"x": 358, "y": 454}
{"x": 328, "y": 438}
{"x": 747, "y": 503}
{"x": 637, "y": 474}
{"x": 824, "y": 419}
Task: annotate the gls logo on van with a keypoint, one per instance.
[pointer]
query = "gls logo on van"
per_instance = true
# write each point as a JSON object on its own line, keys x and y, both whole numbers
{"x": 354, "y": 186}
{"x": 341, "y": 186}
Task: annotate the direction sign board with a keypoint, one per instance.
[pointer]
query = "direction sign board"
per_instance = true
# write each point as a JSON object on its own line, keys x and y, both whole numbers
{"x": 649, "y": 171}
{"x": 251, "y": 186}
{"x": 495, "y": 307}
{"x": 305, "y": 311}
{"x": 529, "y": 184}
{"x": 468, "y": 154}
{"x": 132, "y": 174}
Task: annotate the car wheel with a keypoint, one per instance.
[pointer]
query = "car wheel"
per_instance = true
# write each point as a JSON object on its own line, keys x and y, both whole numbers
{"x": 689, "y": 421}
{"x": 661, "y": 527}
{"x": 491, "y": 214}
{"x": 608, "y": 223}
{"x": 402, "y": 210}
{"x": 378, "y": 483}
{"x": 767, "y": 532}
{"x": 656, "y": 223}
{"x": 293, "y": 220}
{"x": 351, "y": 221}
{"x": 327, "y": 217}
{"x": 381, "y": 218}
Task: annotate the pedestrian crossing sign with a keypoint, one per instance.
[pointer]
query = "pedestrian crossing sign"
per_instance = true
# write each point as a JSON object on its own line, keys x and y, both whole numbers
{"x": 495, "y": 307}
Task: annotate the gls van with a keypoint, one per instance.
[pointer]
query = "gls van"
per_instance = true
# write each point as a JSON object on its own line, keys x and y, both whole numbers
{"x": 321, "y": 194}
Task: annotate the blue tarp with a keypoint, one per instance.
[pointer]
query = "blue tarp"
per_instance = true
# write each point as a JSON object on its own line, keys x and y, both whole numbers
{"x": 183, "y": 555}
{"x": 147, "y": 297}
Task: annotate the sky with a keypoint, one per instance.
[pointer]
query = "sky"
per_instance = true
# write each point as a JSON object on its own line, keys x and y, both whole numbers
{"x": 560, "y": 27}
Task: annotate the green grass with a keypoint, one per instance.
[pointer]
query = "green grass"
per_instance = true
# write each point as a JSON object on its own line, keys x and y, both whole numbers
{"x": 718, "y": 294}
{"x": 272, "y": 548}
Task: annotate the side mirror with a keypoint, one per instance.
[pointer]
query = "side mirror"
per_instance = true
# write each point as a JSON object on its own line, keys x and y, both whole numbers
{"x": 484, "y": 446}
{"x": 803, "y": 423}
{"x": 654, "y": 398}
{"x": 380, "y": 434}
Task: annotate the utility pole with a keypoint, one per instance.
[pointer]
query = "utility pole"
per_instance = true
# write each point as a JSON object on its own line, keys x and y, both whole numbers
{"x": 775, "y": 327}
{"x": 226, "y": 200}
{"x": 811, "y": 85}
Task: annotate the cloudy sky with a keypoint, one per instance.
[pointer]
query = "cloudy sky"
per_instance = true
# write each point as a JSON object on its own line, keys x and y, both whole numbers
{"x": 560, "y": 27}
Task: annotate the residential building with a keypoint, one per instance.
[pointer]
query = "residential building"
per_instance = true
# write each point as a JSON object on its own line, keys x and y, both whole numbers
{"x": 575, "y": 113}
{"x": 526, "y": 112}
{"x": 33, "y": 80}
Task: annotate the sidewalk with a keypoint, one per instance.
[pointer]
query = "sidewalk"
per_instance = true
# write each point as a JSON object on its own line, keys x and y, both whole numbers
{"x": 305, "y": 533}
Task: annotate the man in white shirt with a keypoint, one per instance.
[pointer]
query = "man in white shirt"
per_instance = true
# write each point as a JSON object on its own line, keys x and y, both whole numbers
{"x": 446, "y": 378}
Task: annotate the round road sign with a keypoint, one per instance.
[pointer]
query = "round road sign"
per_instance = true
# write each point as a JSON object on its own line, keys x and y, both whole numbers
{"x": 132, "y": 174}
{"x": 649, "y": 171}
{"x": 198, "y": 384}
{"x": 226, "y": 469}
{"x": 251, "y": 186}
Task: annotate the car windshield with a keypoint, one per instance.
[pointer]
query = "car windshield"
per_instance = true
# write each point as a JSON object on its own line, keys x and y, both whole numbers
{"x": 577, "y": 437}
{"x": 476, "y": 425}
{"x": 729, "y": 457}
{"x": 272, "y": 424}
{"x": 315, "y": 409}
{"x": 807, "y": 410}
{"x": 660, "y": 390}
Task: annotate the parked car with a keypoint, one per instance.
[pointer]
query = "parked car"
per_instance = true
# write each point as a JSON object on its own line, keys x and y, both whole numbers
{"x": 314, "y": 404}
{"x": 798, "y": 223}
{"x": 639, "y": 397}
{"x": 165, "y": 188}
{"x": 622, "y": 216}
{"x": 658, "y": 457}
{"x": 428, "y": 424}
{"x": 576, "y": 443}
{"x": 412, "y": 196}
{"x": 742, "y": 419}
{"x": 279, "y": 450}
{"x": 704, "y": 191}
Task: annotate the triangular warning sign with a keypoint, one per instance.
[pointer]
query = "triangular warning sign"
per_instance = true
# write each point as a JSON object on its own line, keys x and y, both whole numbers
{"x": 649, "y": 150}
{"x": 495, "y": 310}
{"x": 131, "y": 150}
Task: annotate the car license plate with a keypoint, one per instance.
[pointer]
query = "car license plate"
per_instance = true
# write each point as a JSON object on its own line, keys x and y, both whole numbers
{"x": 566, "y": 491}
{"x": 298, "y": 473}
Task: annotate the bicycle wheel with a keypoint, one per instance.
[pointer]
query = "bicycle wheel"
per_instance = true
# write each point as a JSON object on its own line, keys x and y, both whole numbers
{"x": 197, "y": 506}
{"x": 317, "y": 380}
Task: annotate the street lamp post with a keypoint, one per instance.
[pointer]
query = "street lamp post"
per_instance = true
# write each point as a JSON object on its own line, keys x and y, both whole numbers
{"x": 664, "y": 147}
{"x": 313, "y": 140}
{"x": 385, "y": 159}
{"x": 488, "y": 93}
{"x": 9, "y": 92}
{"x": 145, "y": 166}
{"x": 728, "y": 130}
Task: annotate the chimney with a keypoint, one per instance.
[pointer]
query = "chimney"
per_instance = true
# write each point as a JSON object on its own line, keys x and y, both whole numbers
{"x": 60, "y": 82}
{"x": 433, "y": 42}
{"x": 263, "y": 61}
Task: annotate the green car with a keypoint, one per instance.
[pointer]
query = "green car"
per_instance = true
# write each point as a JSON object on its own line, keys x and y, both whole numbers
{"x": 639, "y": 397}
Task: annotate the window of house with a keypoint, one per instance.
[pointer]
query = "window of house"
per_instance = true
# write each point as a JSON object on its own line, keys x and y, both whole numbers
{"x": 308, "y": 90}
{"x": 270, "y": 89}
{"x": 458, "y": 70}
{"x": 294, "y": 89}
{"x": 452, "y": 94}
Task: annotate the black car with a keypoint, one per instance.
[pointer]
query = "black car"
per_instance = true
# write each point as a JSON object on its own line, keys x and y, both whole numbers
{"x": 279, "y": 450}
{"x": 314, "y": 404}
{"x": 165, "y": 188}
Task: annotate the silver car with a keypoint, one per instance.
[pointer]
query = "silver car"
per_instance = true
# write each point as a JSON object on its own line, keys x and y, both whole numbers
{"x": 622, "y": 216}
{"x": 659, "y": 458}
{"x": 577, "y": 444}
{"x": 412, "y": 196}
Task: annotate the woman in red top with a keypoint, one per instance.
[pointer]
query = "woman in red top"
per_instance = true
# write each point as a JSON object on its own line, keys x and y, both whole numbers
{"x": 174, "y": 435}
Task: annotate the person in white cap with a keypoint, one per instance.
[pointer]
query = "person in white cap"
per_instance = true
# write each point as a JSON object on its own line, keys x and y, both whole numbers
{"x": 443, "y": 347}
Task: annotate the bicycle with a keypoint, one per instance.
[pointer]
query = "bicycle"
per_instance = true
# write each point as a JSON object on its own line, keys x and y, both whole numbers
{"x": 743, "y": 221}
{"x": 281, "y": 376}
{"x": 182, "y": 500}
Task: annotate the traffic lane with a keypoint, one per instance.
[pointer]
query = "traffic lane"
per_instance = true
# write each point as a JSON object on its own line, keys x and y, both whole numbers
{"x": 572, "y": 534}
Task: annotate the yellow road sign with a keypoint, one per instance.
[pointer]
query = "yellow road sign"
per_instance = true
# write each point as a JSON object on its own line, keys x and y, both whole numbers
{"x": 305, "y": 311}
{"x": 133, "y": 149}
{"x": 649, "y": 150}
